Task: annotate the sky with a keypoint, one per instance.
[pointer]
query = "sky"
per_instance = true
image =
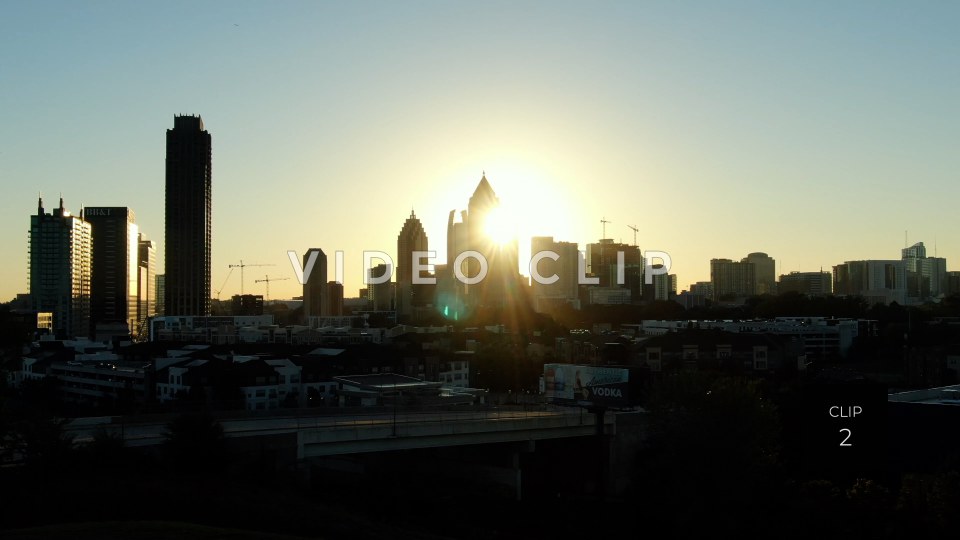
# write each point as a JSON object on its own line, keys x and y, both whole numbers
{"x": 814, "y": 131}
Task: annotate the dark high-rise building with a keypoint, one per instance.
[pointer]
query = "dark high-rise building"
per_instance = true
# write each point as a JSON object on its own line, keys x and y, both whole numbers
{"x": 160, "y": 286}
{"x": 380, "y": 295}
{"x": 334, "y": 299}
{"x": 315, "y": 284}
{"x": 502, "y": 282}
{"x": 188, "y": 218}
{"x": 604, "y": 261}
{"x": 952, "y": 283}
{"x": 60, "y": 269}
{"x": 566, "y": 289}
{"x": 114, "y": 291}
{"x": 412, "y": 238}
{"x": 450, "y": 292}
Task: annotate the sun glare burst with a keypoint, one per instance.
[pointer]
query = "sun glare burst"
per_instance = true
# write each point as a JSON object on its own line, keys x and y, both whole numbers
{"x": 500, "y": 227}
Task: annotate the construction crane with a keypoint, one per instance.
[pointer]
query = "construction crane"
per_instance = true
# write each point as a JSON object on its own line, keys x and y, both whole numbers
{"x": 268, "y": 279}
{"x": 634, "y": 229}
{"x": 241, "y": 266}
{"x": 224, "y": 282}
{"x": 604, "y": 221}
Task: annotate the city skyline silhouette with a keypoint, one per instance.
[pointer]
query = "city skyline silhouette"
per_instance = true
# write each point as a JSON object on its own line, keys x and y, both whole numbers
{"x": 716, "y": 131}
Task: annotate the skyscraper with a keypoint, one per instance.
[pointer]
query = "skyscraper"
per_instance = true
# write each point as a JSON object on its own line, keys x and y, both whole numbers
{"x": 877, "y": 281}
{"x": 381, "y": 295}
{"x": 412, "y": 238}
{"x": 334, "y": 299}
{"x": 60, "y": 269}
{"x": 146, "y": 286}
{"x": 160, "y": 286}
{"x": 188, "y": 218}
{"x": 114, "y": 291}
{"x": 315, "y": 285}
{"x": 764, "y": 272}
{"x": 603, "y": 261}
{"x": 926, "y": 276}
{"x": 664, "y": 285}
{"x": 502, "y": 282}
{"x": 563, "y": 291}
{"x": 450, "y": 291}
{"x": 732, "y": 279}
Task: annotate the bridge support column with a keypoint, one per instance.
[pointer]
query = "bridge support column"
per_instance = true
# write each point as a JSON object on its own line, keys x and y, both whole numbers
{"x": 525, "y": 448}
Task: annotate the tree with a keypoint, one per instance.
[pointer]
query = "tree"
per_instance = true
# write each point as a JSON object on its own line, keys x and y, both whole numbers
{"x": 107, "y": 451}
{"x": 713, "y": 455}
{"x": 195, "y": 443}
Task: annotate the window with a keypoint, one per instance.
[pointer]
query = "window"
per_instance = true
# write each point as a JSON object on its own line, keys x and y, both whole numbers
{"x": 261, "y": 393}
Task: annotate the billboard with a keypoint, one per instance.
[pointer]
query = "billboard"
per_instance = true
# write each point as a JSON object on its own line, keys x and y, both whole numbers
{"x": 585, "y": 385}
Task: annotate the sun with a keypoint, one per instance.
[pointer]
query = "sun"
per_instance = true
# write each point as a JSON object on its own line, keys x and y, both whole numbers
{"x": 500, "y": 226}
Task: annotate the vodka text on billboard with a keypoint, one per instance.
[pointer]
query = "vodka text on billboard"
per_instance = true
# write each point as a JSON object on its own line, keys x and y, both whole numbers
{"x": 589, "y": 384}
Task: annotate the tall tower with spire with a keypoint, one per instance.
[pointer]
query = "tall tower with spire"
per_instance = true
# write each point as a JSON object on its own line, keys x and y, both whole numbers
{"x": 412, "y": 238}
{"x": 502, "y": 278}
{"x": 60, "y": 269}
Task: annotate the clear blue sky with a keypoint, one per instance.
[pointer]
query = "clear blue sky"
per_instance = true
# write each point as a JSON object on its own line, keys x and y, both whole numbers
{"x": 817, "y": 132}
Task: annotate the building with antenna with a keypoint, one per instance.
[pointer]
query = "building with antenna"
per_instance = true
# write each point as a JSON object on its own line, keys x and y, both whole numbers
{"x": 61, "y": 263}
{"x": 501, "y": 284}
